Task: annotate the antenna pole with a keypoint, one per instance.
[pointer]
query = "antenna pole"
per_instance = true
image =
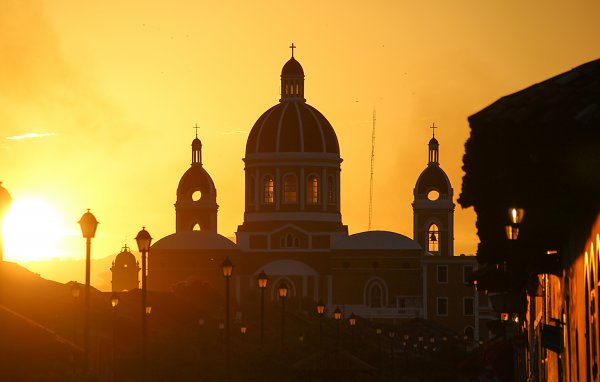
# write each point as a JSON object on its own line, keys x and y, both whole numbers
{"x": 372, "y": 170}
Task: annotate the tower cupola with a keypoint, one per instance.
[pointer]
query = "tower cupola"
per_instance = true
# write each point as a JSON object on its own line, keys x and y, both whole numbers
{"x": 434, "y": 148}
{"x": 292, "y": 80}
{"x": 196, "y": 206}
{"x": 433, "y": 206}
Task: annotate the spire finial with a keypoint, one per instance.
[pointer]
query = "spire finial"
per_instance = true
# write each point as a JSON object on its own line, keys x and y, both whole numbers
{"x": 433, "y": 127}
{"x": 196, "y": 127}
{"x": 292, "y": 47}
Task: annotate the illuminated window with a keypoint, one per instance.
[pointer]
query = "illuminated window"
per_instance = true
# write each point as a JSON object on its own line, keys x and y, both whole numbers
{"x": 289, "y": 189}
{"x": 312, "y": 190}
{"x": 433, "y": 238}
{"x": 268, "y": 190}
{"x": 330, "y": 191}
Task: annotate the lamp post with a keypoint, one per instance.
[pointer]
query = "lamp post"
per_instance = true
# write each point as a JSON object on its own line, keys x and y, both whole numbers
{"x": 88, "y": 224}
{"x": 320, "y": 312}
{"x": 283, "y": 291}
{"x": 143, "y": 240}
{"x": 114, "y": 301}
{"x": 337, "y": 316}
{"x": 352, "y": 322}
{"x": 263, "y": 280}
{"x": 227, "y": 268}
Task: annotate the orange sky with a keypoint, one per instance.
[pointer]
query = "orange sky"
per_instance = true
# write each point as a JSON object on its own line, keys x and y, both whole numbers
{"x": 117, "y": 86}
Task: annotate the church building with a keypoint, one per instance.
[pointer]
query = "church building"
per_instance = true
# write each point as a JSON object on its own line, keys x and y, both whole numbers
{"x": 292, "y": 229}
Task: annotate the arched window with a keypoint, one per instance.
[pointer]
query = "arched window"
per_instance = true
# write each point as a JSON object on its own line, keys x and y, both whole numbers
{"x": 330, "y": 191}
{"x": 196, "y": 227}
{"x": 433, "y": 238}
{"x": 289, "y": 189}
{"x": 375, "y": 294}
{"x": 268, "y": 190}
{"x": 312, "y": 190}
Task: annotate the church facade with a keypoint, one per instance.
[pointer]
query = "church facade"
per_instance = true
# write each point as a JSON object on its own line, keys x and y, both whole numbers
{"x": 293, "y": 230}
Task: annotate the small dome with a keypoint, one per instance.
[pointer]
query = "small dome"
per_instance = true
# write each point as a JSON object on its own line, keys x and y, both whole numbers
{"x": 292, "y": 68}
{"x": 433, "y": 177}
{"x": 292, "y": 127}
{"x": 433, "y": 142}
{"x": 196, "y": 143}
{"x": 125, "y": 259}
{"x": 193, "y": 240}
{"x": 197, "y": 178}
{"x": 377, "y": 240}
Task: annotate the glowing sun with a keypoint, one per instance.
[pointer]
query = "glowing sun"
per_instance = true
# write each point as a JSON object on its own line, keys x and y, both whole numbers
{"x": 33, "y": 230}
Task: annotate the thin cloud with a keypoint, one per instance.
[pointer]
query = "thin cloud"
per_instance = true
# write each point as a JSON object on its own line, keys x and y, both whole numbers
{"x": 235, "y": 132}
{"x": 29, "y": 136}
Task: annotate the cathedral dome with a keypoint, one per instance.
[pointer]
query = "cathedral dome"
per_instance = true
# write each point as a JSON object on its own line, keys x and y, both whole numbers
{"x": 292, "y": 127}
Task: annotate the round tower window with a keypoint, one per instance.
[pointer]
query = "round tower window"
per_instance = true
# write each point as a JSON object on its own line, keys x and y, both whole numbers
{"x": 196, "y": 196}
{"x": 433, "y": 195}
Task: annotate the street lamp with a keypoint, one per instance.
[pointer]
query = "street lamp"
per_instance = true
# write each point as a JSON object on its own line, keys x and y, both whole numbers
{"x": 515, "y": 216}
{"x": 263, "y": 280}
{"x": 227, "y": 268}
{"x": 320, "y": 312}
{"x": 337, "y": 316}
{"x": 283, "y": 291}
{"x": 88, "y": 224}
{"x": 143, "y": 240}
{"x": 352, "y": 322}
{"x": 114, "y": 301}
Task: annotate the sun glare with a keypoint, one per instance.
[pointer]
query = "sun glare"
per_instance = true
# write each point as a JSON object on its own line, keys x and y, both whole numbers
{"x": 33, "y": 230}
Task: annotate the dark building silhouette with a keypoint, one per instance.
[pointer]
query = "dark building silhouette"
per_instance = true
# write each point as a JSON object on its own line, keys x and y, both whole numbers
{"x": 125, "y": 271}
{"x": 537, "y": 150}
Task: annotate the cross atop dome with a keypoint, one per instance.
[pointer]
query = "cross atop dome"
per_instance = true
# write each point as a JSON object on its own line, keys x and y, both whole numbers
{"x": 433, "y": 127}
{"x": 196, "y": 127}
{"x": 292, "y": 47}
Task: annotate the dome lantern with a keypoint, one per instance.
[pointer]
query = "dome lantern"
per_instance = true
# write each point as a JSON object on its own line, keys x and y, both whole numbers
{"x": 434, "y": 149}
{"x": 292, "y": 80}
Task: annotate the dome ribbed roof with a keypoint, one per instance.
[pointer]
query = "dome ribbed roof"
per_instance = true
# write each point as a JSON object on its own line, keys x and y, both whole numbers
{"x": 292, "y": 127}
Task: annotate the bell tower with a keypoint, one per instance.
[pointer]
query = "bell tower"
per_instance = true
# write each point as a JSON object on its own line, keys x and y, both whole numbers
{"x": 196, "y": 206}
{"x": 433, "y": 206}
